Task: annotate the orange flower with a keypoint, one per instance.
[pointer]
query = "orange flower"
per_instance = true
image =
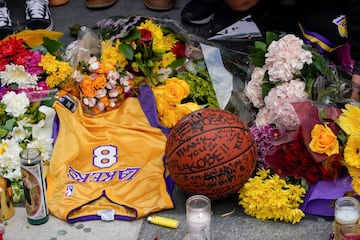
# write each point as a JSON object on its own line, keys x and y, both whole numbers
{"x": 87, "y": 87}
{"x": 100, "y": 81}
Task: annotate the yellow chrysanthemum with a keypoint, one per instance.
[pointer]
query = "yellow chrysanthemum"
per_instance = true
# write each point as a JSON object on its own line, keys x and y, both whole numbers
{"x": 268, "y": 196}
{"x": 352, "y": 151}
{"x": 58, "y": 71}
{"x": 110, "y": 53}
{"x": 349, "y": 119}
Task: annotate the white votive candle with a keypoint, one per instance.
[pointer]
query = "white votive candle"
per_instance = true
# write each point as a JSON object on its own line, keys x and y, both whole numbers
{"x": 199, "y": 222}
{"x": 346, "y": 212}
{"x": 198, "y": 215}
{"x": 346, "y": 215}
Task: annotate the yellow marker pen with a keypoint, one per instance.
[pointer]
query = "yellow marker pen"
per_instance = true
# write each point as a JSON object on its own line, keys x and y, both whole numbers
{"x": 163, "y": 221}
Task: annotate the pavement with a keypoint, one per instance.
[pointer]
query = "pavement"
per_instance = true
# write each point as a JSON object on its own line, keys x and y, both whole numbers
{"x": 237, "y": 226}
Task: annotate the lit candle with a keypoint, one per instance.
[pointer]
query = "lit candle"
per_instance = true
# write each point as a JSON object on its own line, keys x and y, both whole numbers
{"x": 199, "y": 222}
{"x": 198, "y": 215}
{"x": 346, "y": 212}
{"x": 346, "y": 215}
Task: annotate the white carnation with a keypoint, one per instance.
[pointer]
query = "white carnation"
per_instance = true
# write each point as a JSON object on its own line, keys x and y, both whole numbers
{"x": 16, "y": 104}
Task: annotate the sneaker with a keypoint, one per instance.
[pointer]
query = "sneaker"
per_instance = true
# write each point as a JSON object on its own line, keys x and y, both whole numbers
{"x": 38, "y": 15}
{"x": 5, "y": 22}
{"x": 199, "y": 11}
{"x": 99, "y": 3}
{"x": 159, "y": 5}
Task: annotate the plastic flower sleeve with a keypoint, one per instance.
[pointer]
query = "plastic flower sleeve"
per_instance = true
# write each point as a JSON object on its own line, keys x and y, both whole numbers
{"x": 88, "y": 44}
{"x": 221, "y": 78}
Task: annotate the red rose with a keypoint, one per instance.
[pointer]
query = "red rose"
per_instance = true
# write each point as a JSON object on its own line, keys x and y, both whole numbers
{"x": 146, "y": 36}
{"x": 179, "y": 49}
{"x": 313, "y": 174}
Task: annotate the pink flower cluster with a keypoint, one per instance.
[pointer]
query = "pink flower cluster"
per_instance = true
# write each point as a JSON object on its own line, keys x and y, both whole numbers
{"x": 284, "y": 60}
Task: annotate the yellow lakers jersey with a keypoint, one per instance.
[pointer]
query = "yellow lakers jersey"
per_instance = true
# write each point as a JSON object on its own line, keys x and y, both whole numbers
{"x": 109, "y": 166}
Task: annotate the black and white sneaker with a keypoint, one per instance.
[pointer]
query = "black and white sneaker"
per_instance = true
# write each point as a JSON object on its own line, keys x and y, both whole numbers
{"x": 37, "y": 15}
{"x": 5, "y": 22}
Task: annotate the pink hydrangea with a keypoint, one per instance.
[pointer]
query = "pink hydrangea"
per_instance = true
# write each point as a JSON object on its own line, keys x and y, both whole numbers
{"x": 253, "y": 88}
{"x": 279, "y": 100}
{"x": 285, "y": 58}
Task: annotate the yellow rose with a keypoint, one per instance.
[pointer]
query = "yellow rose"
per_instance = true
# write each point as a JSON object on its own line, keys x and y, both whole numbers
{"x": 186, "y": 108}
{"x": 170, "y": 118}
{"x": 323, "y": 140}
{"x": 176, "y": 90}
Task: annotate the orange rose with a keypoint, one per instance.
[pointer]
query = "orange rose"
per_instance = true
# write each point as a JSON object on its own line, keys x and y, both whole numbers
{"x": 87, "y": 87}
{"x": 100, "y": 81}
{"x": 323, "y": 140}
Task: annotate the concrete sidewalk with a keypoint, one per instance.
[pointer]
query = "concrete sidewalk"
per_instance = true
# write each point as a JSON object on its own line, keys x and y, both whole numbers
{"x": 238, "y": 226}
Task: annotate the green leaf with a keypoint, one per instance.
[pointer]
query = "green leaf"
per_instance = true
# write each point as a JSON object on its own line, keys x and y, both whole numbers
{"x": 271, "y": 36}
{"x": 52, "y": 45}
{"x": 132, "y": 35}
{"x": 10, "y": 124}
{"x": 127, "y": 50}
{"x": 177, "y": 63}
{"x": 258, "y": 59}
{"x": 260, "y": 45}
{"x": 146, "y": 71}
{"x": 3, "y": 132}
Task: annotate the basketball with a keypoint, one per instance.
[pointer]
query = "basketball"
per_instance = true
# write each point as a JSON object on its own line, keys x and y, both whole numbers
{"x": 210, "y": 152}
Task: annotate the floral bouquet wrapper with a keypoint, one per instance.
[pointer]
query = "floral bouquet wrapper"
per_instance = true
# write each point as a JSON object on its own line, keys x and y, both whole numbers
{"x": 145, "y": 56}
{"x": 320, "y": 197}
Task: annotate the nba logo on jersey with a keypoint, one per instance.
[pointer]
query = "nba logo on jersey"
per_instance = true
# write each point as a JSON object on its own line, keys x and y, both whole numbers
{"x": 68, "y": 191}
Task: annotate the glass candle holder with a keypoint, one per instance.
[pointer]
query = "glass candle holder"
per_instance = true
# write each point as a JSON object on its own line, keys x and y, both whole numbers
{"x": 346, "y": 213}
{"x": 350, "y": 232}
{"x": 198, "y": 215}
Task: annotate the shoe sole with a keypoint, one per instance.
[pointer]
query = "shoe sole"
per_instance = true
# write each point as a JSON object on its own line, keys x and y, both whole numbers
{"x": 56, "y": 3}
{"x": 203, "y": 21}
{"x": 159, "y": 8}
{"x": 49, "y": 28}
{"x": 98, "y": 5}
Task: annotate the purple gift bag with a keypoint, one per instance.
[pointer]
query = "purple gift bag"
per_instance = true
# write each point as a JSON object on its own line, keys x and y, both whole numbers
{"x": 320, "y": 197}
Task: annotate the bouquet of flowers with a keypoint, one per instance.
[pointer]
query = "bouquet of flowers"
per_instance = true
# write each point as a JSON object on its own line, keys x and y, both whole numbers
{"x": 28, "y": 78}
{"x": 130, "y": 51}
{"x": 298, "y": 95}
{"x": 286, "y": 71}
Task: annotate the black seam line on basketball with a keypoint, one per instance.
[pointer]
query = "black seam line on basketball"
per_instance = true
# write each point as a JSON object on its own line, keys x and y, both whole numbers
{"x": 229, "y": 160}
{"x": 245, "y": 129}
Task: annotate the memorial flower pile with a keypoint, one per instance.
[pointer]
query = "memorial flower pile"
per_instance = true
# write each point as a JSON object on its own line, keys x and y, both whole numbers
{"x": 28, "y": 77}
{"x": 300, "y": 115}
{"x": 135, "y": 51}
